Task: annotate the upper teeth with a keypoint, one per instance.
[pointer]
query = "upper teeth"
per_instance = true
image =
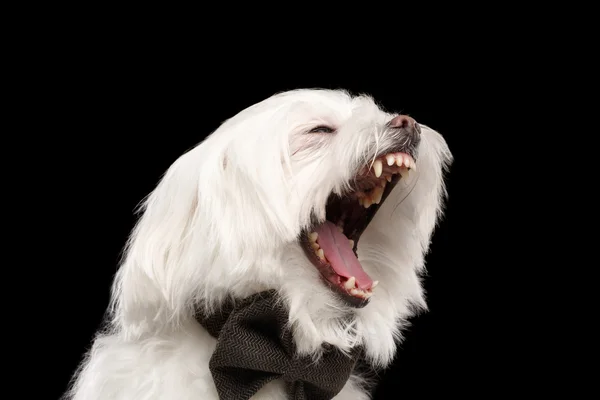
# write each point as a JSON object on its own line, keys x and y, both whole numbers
{"x": 403, "y": 162}
{"x": 378, "y": 168}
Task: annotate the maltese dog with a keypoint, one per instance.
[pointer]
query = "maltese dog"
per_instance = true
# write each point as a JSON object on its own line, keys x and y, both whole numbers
{"x": 278, "y": 259}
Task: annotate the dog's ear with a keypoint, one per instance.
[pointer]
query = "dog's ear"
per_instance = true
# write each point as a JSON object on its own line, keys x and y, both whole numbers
{"x": 429, "y": 194}
{"x": 147, "y": 287}
{"x": 407, "y": 219}
{"x": 419, "y": 207}
{"x": 219, "y": 208}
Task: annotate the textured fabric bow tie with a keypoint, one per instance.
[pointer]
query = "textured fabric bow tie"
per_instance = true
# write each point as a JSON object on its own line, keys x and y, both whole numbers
{"x": 254, "y": 347}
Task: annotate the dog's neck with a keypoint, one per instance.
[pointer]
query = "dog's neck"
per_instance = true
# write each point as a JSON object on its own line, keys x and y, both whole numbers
{"x": 317, "y": 315}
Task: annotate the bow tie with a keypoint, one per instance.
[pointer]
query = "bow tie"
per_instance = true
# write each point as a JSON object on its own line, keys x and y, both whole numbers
{"x": 255, "y": 346}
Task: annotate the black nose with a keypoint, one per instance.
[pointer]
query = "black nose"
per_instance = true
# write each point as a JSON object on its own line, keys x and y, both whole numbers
{"x": 405, "y": 122}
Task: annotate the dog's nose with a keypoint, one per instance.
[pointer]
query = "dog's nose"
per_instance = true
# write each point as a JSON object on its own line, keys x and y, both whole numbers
{"x": 405, "y": 122}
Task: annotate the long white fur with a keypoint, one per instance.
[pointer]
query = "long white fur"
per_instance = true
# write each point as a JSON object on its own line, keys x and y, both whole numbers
{"x": 224, "y": 221}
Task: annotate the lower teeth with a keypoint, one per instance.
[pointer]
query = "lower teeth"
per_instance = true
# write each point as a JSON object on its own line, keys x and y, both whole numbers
{"x": 350, "y": 284}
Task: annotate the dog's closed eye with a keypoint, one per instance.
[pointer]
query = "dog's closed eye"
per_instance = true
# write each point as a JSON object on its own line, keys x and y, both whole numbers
{"x": 322, "y": 129}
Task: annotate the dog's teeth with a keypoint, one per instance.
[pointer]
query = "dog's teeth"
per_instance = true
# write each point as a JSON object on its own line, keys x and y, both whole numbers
{"x": 315, "y": 246}
{"x": 340, "y": 229}
{"x": 390, "y": 159}
{"x": 321, "y": 254}
{"x": 313, "y": 236}
{"x": 359, "y": 292}
{"x": 399, "y": 160}
{"x": 374, "y": 284}
{"x": 407, "y": 162}
{"x": 351, "y": 243}
{"x": 404, "y": 173}
{"x": 361, "y": 200}
{"x": 367, "y": 202}
{"x": 413, "y": 165}
{"x": 377, "y": 194}
{"x": 378, "y": 168}
{"x": 388, "y": 178}
{"x": 350, "y": 283}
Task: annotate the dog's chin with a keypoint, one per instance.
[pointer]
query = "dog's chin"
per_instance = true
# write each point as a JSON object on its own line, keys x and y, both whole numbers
{"x": 331, "y": 246}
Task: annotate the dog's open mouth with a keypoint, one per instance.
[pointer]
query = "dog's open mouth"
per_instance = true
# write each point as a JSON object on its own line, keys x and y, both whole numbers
{"x": 332, "y": 245}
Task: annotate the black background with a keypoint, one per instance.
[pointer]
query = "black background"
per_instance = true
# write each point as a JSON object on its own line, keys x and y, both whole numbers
{"x": 139, "y": 104}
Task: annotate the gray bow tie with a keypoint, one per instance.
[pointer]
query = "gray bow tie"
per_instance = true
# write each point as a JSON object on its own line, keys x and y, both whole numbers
{"x": 255, "y": 347}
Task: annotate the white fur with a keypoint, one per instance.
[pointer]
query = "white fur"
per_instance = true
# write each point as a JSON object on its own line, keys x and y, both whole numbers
{"x": 224, "y": 221}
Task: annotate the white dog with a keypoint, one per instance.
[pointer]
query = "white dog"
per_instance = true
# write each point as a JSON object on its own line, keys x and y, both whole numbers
{"x": 315, "y": 196}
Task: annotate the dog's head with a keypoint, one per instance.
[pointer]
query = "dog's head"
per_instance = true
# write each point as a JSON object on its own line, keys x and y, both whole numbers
{"x": 316, "y": 193}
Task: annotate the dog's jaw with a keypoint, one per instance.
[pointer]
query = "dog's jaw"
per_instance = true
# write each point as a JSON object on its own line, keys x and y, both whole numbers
{"x": 391, "y": 250}
{"x": 332, "y": 245}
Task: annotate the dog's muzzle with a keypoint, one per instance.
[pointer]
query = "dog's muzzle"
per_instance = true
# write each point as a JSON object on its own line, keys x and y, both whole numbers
{"x": 407, "y": 131}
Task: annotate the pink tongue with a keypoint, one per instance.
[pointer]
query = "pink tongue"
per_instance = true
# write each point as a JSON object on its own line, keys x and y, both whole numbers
{"x": 337, "y": 250}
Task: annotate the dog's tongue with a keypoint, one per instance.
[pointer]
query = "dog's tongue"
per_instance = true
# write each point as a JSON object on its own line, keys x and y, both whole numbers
{"x": 337, "y": 250}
